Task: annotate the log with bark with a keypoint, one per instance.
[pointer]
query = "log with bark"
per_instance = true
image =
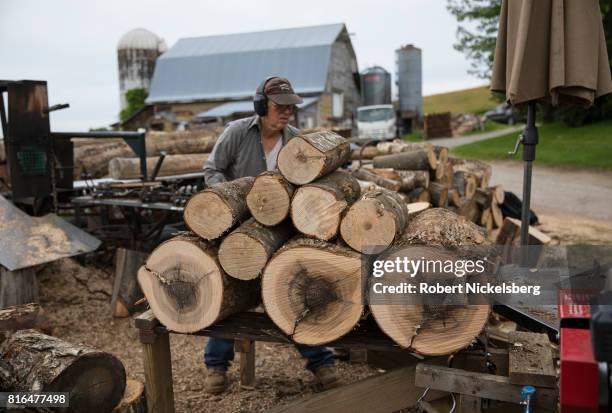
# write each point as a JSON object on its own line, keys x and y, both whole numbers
{"x": 470, "y": 210}
{"x": 129, "y": 168}
{"x": 419, "y": 195}
{"x": 372, "y": 223}
{"x": 308, "y": 157}
{"x": 439, "y": 194}
{"x": 433, "y": 329}
{"x": 269, "y": 199}
{"x": 212, "y": 212}
{"x": 94, "y": 157}
{"x": 415, "y": 160}
{"x": 312, "y": 290}
{"x": 41, "y": 363}
{"x": 465, "y": 183}
{"x": 245, "y": 251}
{"x": 367, "y": 175}
{"x": 368, "y": 152}
{"x": 188, "y": 290}
{"x": 316, "y": 208}
{"x": 483, "y": 197}
{"x": 412, "y": 179}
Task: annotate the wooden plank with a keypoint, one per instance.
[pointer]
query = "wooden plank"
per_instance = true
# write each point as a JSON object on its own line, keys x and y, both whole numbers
{"x": 531, "y": 359}
{"x": 383, "y": 393}
{"x": 158, "y": 375}
{"x": 258, "y": 327}
{"x": 486, "y": 386}
{"x": 246, "y": 348}
{"x": 18, "y": 287}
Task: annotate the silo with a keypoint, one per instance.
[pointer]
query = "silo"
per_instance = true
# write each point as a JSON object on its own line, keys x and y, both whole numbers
{"x": 376, "y": 86}
{"x": 137, "y": 52}
{"x": 409, "y": 79}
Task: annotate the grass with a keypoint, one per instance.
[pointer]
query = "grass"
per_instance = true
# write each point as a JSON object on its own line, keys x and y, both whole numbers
{"x": 475, "y": 100}
{"x": 588, "y": 146}
{"x": 413, "y": 137}
{"x": 489, "y": 126}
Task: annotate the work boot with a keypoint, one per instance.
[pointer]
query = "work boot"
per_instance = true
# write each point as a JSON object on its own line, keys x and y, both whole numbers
{"x": 326, "y": 377}
{"x": 216, "y": 381}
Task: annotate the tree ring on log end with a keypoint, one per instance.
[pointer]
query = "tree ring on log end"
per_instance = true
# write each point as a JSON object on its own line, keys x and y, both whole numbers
{"x": 208, "y": 215}
{"x": 269, "y": 200}
{"x": 313, "y": 294}
{"x": 246, "y": 262}
{"x": 183, "y": 285}
{"x": 367, "y": 225}
{"x": 301, "y": 163}
{"x": 316, "y": 212}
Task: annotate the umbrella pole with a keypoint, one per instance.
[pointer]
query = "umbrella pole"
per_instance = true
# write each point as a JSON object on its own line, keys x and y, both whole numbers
{"x": 530, "y": 140}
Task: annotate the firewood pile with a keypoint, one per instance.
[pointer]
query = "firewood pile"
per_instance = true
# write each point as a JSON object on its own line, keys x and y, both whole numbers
{"x": 294, "y": 239}
{"x": 186, "y": 152}
{"x": 437, "y": 125}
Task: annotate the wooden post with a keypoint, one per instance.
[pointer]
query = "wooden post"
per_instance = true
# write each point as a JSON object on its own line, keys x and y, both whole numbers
{"x": 18, "y": 287}
{"x": 246, "y": 348}
{"x": 157, "y": 365}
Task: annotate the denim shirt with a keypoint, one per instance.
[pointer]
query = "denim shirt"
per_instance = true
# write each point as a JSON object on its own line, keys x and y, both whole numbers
{"x": 239, "y": 152}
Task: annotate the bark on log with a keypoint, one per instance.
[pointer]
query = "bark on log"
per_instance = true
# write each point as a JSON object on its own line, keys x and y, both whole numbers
{"x": 433, "y": 329}
{"x": 316, "y": 208}
{"x": 454, "y": 197}
{"x": 245, "y": 251}
{"x": 368, "y": 186}
{"x": 95, "y": 379}
{"x": 367, "y": 175}
{"x": 308, "y": 157}
{"x": 22, "y": 317}
{"x": 446, "y": 174}
{"x": 269, "y": 199}
{"x": 416, "y": 160}
{"x": 439, "y": 194}
{"x": 470, "y": 210}
{"x": 483, "y": 197}
{"x": 419, "y": 195}
{"x": 129, "y": 168}
{"x": 134, "y": 399}
{"x": 188, "y": 290}
{"x": 368, "y": 152}
{"x": 212, "y": 212}
{"x": 126, "y": 291}
{"x": 312, "y": 290}
{"x": 372, "y": 223}
{"x": 413, "y": 179}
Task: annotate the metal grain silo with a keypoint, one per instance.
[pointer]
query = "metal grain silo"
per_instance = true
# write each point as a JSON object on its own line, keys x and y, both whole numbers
{"x": 376, "y": 86}
{"x": 137, "y": 52}
{"x": 409, "y": 79}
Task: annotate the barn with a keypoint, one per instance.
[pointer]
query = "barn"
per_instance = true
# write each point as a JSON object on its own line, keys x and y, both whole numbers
{"x": 211, "y": 80}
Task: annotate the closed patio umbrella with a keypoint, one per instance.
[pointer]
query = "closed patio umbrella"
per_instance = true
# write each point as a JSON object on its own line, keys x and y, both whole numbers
{"x": 548, "y": 50}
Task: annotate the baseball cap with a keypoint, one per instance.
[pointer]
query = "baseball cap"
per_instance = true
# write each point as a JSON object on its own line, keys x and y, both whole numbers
{"x": 279, "y": 91}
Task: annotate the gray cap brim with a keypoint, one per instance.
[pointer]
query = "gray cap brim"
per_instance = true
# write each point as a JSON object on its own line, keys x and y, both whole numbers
{"x": 285, "y": 99}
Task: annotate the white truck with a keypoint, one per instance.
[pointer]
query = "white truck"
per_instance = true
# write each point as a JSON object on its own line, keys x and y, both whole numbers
{"x": 376, "y": 122}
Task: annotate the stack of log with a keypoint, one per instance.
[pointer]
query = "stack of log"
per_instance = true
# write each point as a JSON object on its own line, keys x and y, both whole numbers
{"x": 295, "y": 239}
{"x": 422, "y": 172}
{"x": 185, "y": 150}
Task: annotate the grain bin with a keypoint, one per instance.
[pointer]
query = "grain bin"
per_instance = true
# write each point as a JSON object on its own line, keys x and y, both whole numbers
{"x": 375, "y": 86}
{"x": 409, "y": 79}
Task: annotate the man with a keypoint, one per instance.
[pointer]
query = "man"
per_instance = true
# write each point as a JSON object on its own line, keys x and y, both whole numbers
{"x": 249, "y": 147}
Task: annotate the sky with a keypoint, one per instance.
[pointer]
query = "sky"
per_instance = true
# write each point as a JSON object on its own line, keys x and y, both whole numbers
{"x": 72, "y": 43}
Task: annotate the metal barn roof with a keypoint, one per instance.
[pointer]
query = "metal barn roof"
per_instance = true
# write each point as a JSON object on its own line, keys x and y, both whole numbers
{"x": 231, "y": 66}
{"x": 243, "y": 106}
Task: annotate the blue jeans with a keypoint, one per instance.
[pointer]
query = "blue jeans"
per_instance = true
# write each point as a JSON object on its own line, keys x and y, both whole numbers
{"x": 220, "y": 351}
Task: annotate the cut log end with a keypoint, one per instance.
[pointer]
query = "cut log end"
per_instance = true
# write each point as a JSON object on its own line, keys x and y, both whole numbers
{"x": 368, "y": 227}
{"x": 300, "y": 162}
{"x": 312, "y": 291}
{"x": 316, "y": 212}
{"x": 183, "y": 285}
{"x": 242, "y": 256}
{"x": 201, "y": 209}
{"x": 269, "y": 199}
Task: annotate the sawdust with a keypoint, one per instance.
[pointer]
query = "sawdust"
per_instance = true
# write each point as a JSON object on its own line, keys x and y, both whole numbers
{"x": 77, "y": 301}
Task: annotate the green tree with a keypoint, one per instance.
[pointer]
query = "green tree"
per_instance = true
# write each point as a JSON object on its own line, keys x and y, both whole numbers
{"x": 135, "y": 101}
{"x": 477, "y": 32}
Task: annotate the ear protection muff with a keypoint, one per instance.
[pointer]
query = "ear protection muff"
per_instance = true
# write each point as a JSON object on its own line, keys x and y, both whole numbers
{"x": 260, "y": 100}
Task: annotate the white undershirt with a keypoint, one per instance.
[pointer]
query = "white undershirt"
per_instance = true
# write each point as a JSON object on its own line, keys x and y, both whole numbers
{"x": 273, "y": 154}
